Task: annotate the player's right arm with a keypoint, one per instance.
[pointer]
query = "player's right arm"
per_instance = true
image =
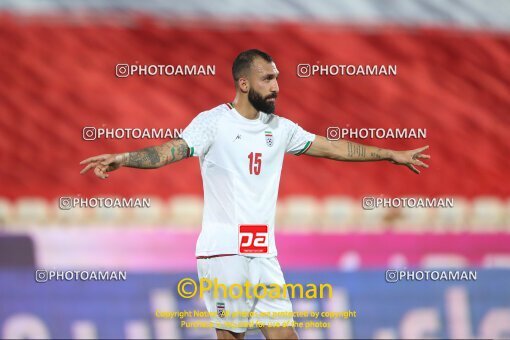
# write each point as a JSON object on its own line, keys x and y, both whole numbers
{"x": 149, "y": 158}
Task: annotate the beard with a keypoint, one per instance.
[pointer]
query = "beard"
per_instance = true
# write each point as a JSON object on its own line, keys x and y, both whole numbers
{"x": 261, "y": 103}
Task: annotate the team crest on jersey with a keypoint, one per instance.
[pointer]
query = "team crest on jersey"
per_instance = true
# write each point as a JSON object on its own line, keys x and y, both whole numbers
{"x": 220, "y": 309}
{"x": 269, "y": 138}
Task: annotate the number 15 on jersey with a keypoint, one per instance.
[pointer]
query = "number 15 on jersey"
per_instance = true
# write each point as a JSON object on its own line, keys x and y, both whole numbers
{"x": 255, "y": 163}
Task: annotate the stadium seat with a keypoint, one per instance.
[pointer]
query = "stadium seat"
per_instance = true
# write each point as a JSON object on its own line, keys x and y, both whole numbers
{"x": 416, "y": 219}
{"x": 300, "y": 212}
{"x": 147, "y": 216}
{"x": 376, "y": 219}
{"x": 113, "y": 216}
{"x": 452, "y": 219}
{"x": 184, "y": 211}
{"x": 73, "y": 217}
{"x": 339, "y": 213}
{"x": 487, "y": 214}
{"x": 31, "y": 211}
{"x": 6, "y": 213}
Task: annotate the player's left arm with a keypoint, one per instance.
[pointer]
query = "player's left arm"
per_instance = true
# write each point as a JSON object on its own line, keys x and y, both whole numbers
{"x": 342, "y": 150}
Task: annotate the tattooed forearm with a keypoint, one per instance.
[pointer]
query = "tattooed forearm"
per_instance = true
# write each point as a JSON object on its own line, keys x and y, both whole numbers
{"x": 376, "y": 155}
{"x": 146, "y": 158}
{"x": 355, "y": 150}
{"x": 182, "y": 149}
{"x": 157, "y": 156}
{"x": 347, "y": 151}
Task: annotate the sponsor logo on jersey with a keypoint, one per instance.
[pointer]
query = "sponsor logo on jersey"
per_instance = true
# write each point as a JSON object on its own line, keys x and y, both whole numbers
{"x": 269, "y": 138}
{"x": 253, "y": 239}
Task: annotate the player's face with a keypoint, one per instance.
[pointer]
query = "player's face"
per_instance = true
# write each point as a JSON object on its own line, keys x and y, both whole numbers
{"x": 263, "y": 85}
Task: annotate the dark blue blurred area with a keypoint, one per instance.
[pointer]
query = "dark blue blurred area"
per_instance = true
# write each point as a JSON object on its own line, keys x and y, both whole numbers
{"x": 126, "y": 309}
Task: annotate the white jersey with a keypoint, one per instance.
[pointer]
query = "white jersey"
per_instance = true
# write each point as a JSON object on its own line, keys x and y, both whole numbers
{"x": 241, "y": 162}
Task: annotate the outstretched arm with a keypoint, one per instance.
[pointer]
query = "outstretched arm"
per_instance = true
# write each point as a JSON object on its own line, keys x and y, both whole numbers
{"x": 157, "y": 156}
{"x": 342, "y": 150}
{"x": 148, "y": 158}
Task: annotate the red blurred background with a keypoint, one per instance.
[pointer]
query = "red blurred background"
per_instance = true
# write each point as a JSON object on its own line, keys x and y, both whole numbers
{"x": 58, "y": 78}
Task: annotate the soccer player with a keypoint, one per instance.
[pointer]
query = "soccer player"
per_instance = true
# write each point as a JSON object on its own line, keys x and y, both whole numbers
{"x": 241, "y": 146}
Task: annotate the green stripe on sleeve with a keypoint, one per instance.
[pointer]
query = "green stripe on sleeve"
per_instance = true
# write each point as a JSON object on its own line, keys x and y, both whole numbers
{"x": 307, "y": 146}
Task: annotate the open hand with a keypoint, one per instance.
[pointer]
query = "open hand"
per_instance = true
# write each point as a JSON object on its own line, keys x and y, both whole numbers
{"x": 103, "y": 164}
{"x": 410, "y": 158}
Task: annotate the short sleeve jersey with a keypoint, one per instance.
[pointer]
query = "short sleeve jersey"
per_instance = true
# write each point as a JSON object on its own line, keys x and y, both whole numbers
{"x": 241, "y": 163}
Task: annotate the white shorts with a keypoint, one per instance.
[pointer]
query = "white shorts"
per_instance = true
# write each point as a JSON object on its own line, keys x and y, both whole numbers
{"x": 240, "y": 314}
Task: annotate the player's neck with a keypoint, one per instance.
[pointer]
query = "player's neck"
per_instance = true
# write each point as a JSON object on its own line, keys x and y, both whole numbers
{"x": 245, "y": 109}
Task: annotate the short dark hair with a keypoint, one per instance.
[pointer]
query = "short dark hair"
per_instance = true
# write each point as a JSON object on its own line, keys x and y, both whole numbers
{"x": 244, "y": 60}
